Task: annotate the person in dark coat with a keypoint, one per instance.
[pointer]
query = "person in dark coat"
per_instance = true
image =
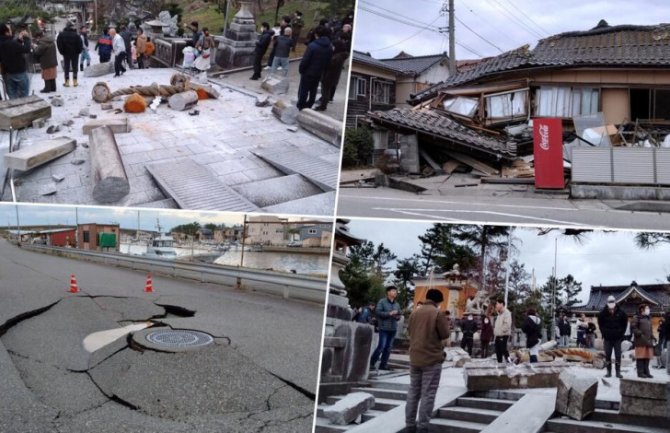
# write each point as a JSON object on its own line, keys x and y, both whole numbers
{"x": 314, "y": 62}
{"x": 283, "y": 45}
{"x": 13, "y": 61}
{"x": 612, "y": 322}
{"x": 564, "y": 330}
{"x": 486, "y": 336}
{"x": 531, "y": 327}
{"x": 104, "y": 46}
{"x": 469, "y": 327}
{"x": 45, "y": 52}
{"x": 70, "y": 46}
{"x": 644, "y": 340}
{"x": 127, "y": 39}
{"x": 332, "y": 74}
{"x": 283, "y": 26}
{"x": 663, "y": 338}
{"x": 388, "y": 314}
{"x": 261, "y": 48}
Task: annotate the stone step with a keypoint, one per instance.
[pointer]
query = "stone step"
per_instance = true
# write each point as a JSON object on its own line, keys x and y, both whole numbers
{"x": 194, "y": 187}
{"x": 166, "y": 203}
{"x": 478, "y": 415}
{"x": 439, "y": 425}
{"x": 565, "y": 425}
{"x": 484, "y": 403}
{"x": 389, "y": 385}
{"x": 322, "y": 425}
{"x": 613, "y": 416}
{"x": 381, "y": 404}
{"x": 321, "y": 173}
{"x": 319, "y": 204}
{"x": 384, "y": 393}
{"x": 270, "y": 192}
{"x": 370, "y": 414}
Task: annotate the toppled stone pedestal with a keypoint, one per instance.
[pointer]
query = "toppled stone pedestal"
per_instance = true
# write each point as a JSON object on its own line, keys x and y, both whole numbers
{"x": 99, "y": 69}
{"x": 576, "y": 396}
{"x": 645, "y": 397}
{"x": 321, "y": 125}
{"x": 352, "y": 406}
{"x": 457, "y": 355}
{"x": 285, "y": 113}
{"x": 276, "y": 86}
{"x": 484, "y": 378}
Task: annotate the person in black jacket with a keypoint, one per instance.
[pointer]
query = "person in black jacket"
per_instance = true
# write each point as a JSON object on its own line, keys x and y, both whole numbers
{"x": 13, "y": 62}
{"x": 261, "y": 47}
{"x": 331, "y": 75}
{"x": 70, "y": 46}
{"x": 469, "y": 327}
{"x": 127, "y": 39}
{"x": 531, "y": 327}
{"x": 283, "y": 45}
{"x": 314, "y": 62}
{"x": 612, "y": 322}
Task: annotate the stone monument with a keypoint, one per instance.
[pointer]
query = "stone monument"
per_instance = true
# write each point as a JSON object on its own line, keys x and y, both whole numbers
{"x": 236, "y": 47}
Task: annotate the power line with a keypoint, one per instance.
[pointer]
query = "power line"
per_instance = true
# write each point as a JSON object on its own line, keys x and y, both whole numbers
{"x": 404, "y": 40}
{"x": 529, "y": 18}
{"x": 478, "y": 35}
{"x": 492, "y": 25}
{"x": 513, "y": 17}
{"x": 399, "y": 20}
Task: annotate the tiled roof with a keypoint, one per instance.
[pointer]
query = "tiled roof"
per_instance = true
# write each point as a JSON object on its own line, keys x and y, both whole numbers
{"x": 433, "y": 123}
{"x": 414, "y": 65}
{"x": 604, "y": 45}
{"x": 599, "y": 294}
{"x": 367, "y": 59}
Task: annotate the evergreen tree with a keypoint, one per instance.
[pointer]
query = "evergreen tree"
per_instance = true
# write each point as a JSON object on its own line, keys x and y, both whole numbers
{"x": 405, "y": 271}
{"x": 439, "y": 248}
{"x": 483, "y": 240}
{"x": 570, "y": 289}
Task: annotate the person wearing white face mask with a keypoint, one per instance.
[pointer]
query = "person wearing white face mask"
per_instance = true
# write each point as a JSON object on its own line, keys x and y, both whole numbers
{"x": 612, "y": 322}
{"x": 644, "y": 341}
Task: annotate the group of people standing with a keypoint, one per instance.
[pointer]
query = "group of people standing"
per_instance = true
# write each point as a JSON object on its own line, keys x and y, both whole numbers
{"x": 328, "y": 48}
{"x": 125, "y": 48}
{"x": 197, "y": 52}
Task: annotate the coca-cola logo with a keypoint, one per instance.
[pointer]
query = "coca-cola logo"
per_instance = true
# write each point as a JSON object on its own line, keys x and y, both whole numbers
{"x": 544, "y": 137}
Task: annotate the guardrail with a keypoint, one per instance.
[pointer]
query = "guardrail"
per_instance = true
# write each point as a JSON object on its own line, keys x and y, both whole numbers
{"x": 290, "y": 286}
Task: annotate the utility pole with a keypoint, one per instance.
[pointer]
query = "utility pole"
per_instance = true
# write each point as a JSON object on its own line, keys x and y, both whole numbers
{"x": 448, "y": 9}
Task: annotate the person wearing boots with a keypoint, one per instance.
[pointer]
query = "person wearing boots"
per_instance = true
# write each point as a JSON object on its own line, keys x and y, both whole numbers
{"x": 69, "y": 46}
{"x": 531, "y": 327}
{"x": 45, "y": 53}
{"x": 612, "y": 322}
{"x": 644, "y": 340}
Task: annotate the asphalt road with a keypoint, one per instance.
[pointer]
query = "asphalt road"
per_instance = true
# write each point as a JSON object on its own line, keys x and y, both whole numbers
{"x": 502, "y": 209}
{"x": 258, "y": 375}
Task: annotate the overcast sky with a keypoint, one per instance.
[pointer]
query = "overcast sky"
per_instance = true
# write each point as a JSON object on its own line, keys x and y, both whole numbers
{"x": 603, "y": 258}
{"x": 127, "y": 218}
{"x": 505, "y": 24}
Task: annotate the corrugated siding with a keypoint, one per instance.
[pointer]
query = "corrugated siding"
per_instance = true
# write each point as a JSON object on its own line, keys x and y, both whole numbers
{"x": 634, "y": 165}
{"x": 663, "y": 166}
{"x": 591, "y": 165}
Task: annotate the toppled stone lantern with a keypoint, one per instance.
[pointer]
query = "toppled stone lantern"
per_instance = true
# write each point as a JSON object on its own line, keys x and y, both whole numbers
{"x": 236, "y": 47}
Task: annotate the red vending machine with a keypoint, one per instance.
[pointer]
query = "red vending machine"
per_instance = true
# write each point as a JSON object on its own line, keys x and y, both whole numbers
{"x": 548, "y": 151}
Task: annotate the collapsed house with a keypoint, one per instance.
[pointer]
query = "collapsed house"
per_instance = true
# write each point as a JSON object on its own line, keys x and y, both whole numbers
{"x": 610, "y": 86}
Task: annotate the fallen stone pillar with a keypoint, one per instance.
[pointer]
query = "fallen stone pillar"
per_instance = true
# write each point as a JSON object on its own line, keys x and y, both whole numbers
{"x": 33, "y": 156}
{"x": 118, "y": 125}
{"x": 99, "y": 69}
{"x": 276, "y": 86}
{"x": 321, "y": 125}
{"x": 111, "y": 181}
{"x": 576, "y": 396}
{"x": 20, "y": 113}
{"x": 349, "y": 408}
{"x": 478, "y": 378}
{"x": 645, "y": 397}
{"x": 285, "y": 113}
{"x": 183, "y": 101}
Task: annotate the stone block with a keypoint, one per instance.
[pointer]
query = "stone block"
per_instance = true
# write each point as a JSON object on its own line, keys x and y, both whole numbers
{"x": 21, "y": 112}
{"x": 29, "y": 157}
{"x": 276, "y": 86}
{"x": 348, "y": 409}
{"x": 321, "y": 125}
{"x": 99, "y": 69}
{"x": 118, "y": 125}
{"x": 644, "y": 388}
{"x": 285, "y": 113}
{"x": 576, "y": 395}
{"x": 480, "y": 378}
{"x": 643, "y": 407}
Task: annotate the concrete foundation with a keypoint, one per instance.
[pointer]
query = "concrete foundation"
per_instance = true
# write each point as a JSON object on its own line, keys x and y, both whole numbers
{"x": 619, "y": 192}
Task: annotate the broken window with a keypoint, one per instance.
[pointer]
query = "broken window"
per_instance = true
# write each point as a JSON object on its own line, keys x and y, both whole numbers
{"x": 358, "y": 86}
{"x": 507, "y": 105}
{"x": 649, "y": 104}
{"x": 381, "y": 93}
{"x": 461, "y": 106}
{"x": 555, "y": 101}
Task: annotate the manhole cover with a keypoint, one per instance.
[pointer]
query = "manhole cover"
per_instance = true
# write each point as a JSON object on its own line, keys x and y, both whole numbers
{"x": 179, "y": 338}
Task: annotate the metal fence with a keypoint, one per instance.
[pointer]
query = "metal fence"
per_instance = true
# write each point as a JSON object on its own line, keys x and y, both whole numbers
{"x": 290, "y": 286}
{"x": 614, "y": 165}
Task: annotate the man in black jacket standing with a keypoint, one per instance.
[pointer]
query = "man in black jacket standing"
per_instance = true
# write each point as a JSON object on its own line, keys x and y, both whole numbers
{"x": 13, "y": 61}
{"x": 612, "y": 322}
{"x": 70, "y": 46}
{"x": 261, "y": 47}
{"x": 314, "y": 62}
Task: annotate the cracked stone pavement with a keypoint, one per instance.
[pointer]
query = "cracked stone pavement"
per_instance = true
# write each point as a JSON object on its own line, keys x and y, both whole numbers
{"x": 259, "y": 374}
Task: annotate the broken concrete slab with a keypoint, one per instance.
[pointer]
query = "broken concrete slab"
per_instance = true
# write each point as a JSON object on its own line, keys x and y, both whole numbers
{"x": 576, "y": 396}
{"x": 645, "y": 397}
{"x": 319, "y": 204}
{"x": 40, "y": 123}
{"x": 534, "y": 409}
{"x": 643, "y": 407}
{"x": 29, "y": 157}
{"x": 21, "y": 112}
{"x": 118, "y": 125}
{"x": 57, "y": 178}
{"x": 349, "y": 408}
{"x": 57, "y": 102}
{"x": 644, "y": 388}
{"x": 321, "y": 125}
{"x": 295, "y": 161}
{"x": 480, "y": 378}
{"x": 99, "y": 69}
{"x": 53, "y": 129}
{"x": 48, "y": 189}
{"x": 285, "y": 113}
{"x": 276, "y": 86}
{"x": 273, "y": 191}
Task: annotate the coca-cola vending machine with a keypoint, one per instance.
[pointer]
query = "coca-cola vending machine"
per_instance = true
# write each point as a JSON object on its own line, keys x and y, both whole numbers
{"x": 548, "y": 151}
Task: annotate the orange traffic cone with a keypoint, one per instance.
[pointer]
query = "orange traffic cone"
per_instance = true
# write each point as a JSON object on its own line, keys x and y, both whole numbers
{"x": 149, "y": 286}
{"x": 73, "y": 284}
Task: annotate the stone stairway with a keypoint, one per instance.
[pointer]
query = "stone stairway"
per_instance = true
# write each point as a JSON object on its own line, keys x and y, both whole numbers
{"x": 608, "y": 421}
